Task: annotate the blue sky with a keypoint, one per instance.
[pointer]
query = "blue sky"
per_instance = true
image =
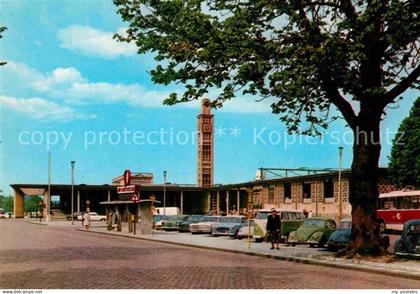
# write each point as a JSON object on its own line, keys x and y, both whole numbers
{"x": 66, "y": 79}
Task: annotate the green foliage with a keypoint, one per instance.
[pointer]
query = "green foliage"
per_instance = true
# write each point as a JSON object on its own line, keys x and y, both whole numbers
{"x": 309, "y": 55}
{"x": 7, "y": 202}
{"x": 405, "y": 154}
{"x": 32, "y": 204}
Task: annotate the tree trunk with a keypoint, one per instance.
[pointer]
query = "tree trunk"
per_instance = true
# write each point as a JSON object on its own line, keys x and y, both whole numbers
{"x": 365, "y": 239}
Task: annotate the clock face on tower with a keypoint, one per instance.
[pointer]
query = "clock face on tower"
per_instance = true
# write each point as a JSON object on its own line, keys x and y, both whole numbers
{"x": 207, "y": 128}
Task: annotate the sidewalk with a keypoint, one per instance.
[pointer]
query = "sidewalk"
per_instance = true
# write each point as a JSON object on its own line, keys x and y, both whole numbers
{"x": 301, "y": 253}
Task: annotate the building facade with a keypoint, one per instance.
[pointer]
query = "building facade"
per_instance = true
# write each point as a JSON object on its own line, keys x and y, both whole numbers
{"x": 319, "y": 194}
{"x": 136, "y": 179}
{"x": 205, "y": 144}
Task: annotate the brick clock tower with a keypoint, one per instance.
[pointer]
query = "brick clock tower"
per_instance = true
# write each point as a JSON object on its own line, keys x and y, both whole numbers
{"x": 205, "y": 140}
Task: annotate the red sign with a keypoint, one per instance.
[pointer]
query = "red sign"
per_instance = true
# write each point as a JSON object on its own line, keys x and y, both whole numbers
{"x": 126, "y": 189}
{"x": 127, "y": 177}
{"x": 135, "y": 198}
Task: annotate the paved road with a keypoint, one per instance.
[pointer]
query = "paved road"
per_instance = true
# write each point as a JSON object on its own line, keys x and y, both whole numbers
{"x": 36, "y": 256}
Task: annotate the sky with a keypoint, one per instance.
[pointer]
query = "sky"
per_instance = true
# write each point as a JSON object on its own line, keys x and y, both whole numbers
{"x": 70, "y": 89}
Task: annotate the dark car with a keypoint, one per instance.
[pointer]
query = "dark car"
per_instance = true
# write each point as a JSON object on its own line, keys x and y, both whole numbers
{"x": 184, "y": 226}
{"x": 341, "y": 237}
{"x": 408, "y": 245}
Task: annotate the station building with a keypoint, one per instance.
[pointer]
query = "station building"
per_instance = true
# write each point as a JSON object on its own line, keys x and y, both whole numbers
{"x": 320, "y": 192}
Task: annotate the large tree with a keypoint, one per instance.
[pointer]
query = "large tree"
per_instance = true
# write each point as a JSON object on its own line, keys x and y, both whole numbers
{"x": 312, "y": 56}
{"x": 404, "y": 162}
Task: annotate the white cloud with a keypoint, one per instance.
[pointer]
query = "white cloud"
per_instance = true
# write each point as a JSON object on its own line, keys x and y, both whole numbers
{"x": 42, "y": 109}
{"x": 90, "y": 41}
{"x": 18, "y": 75}
{"x": 70, "y": 86}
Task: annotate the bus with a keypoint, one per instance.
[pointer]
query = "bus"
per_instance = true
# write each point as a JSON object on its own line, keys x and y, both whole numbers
{"x": 397, "y": 207}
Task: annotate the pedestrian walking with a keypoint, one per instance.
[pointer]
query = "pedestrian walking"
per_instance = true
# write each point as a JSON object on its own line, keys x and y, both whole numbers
{"x": 273, "y": 229}
{"x": 87, "y": 219}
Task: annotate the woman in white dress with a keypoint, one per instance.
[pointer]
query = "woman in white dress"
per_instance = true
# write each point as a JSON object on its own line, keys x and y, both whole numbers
{"x": 87, "y": 219}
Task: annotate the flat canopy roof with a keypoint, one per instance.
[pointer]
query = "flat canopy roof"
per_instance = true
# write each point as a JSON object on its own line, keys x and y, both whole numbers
{"x": 127, "y": 202}
{"x": 105, "y": 187}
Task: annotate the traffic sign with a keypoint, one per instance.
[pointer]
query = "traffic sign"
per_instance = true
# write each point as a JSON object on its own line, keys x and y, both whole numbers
{"x": 135, "y": 198}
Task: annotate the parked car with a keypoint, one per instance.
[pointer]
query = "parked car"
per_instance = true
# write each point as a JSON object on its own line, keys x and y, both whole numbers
{"x": 225, "y": 224}
{"x": 157, "y": 221}
{"x": 75, "y": 216}
{"x": 3, "y": 213}
{"x": 184, "y": 226}
{"x": 314, "y": 231}
{"x": 93, "y": 216}
{"x": 408, "y": 245}
{"x": 291, "y": 220}
{"x": 243, "y": 230}
{"x": 205, "y": 225}
{"x": 341, "y": 237}
{"x": 172, "y": 222}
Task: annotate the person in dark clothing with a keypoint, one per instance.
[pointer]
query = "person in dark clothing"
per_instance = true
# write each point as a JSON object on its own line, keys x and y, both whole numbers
{"x": 273, "y": 228}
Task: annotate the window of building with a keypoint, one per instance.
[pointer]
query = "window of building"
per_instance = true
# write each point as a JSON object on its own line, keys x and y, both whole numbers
{"x": 328, "y": 188}
{"x": 306, "y": 189}
{"x": 287, "y": 190}
{"x": 270, "y": 199}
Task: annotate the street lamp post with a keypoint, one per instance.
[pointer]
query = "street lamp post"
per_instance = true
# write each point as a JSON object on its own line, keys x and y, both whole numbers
{"x": 164, "y": 192}
{"x": 340, "y": 161}
{"x": 72, "y": 191}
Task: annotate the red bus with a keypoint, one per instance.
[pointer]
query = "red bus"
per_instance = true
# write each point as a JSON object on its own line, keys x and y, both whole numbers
{"x": 397, "y": 207}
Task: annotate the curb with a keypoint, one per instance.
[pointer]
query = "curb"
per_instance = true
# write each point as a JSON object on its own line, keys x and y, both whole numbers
{"x": 36, "y": 223}
{"x": 303, "y": 260}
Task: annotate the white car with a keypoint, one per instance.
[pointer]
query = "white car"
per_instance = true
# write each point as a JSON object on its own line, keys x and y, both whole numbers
{"x": 243, "y": 231}
{"x": 93, "y": 217}
{"x": 205, "y": 225}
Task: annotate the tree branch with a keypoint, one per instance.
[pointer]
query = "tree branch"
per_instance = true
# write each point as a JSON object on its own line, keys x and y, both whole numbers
{"x": 349, "y": 9}
{"x": 345, "y": 108}
{"x": 402, "y": 86}
{"x": 338, "y": 100}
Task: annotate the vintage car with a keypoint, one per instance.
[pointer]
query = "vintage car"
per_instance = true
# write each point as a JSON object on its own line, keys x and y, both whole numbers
{"x": 341, "y": 237}
{"x": 184, "y": 226}
{"x": 243, "y": 230}
{"x": 205, "y": 225}
{"x": 172, "y": 221}
{"x": 314, "y": 231}
{"x": 93, "y": 216}
{"x": 157, "y": 221}
{"x": 291, "y": 220}
{"x": 408, "y": 245}
{"x": 75, "y": 216}
{"x": 225, "y": 224}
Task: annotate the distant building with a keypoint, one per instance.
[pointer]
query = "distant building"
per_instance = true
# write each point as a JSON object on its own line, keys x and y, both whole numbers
{"x": 142, "y": 179}
{"x": 205, "y": 139}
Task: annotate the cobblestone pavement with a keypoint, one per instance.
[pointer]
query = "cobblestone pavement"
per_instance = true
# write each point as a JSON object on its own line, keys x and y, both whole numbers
{"x": 36, "y": 256}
